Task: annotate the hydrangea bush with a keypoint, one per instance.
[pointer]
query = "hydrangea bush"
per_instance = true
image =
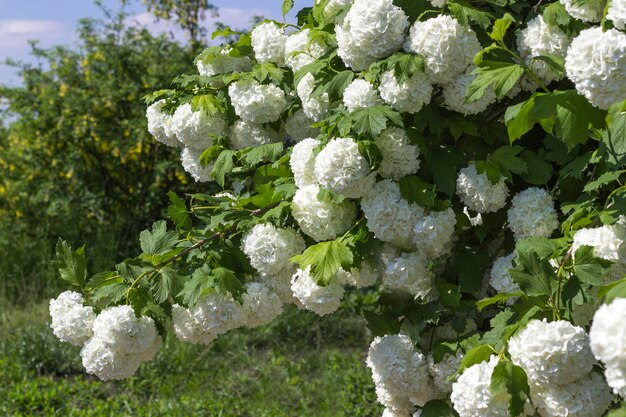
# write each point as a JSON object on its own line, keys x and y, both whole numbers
{"x": 462, "y": 163}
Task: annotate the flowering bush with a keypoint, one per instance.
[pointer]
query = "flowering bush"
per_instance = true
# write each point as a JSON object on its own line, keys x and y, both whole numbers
{"x": 464, "y": 163}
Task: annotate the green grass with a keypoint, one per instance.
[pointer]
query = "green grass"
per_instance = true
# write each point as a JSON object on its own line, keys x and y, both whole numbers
{"x": 300, "y": 365}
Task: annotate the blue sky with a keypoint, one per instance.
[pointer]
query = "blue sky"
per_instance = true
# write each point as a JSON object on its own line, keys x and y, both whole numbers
{"x": 54, "y": 22}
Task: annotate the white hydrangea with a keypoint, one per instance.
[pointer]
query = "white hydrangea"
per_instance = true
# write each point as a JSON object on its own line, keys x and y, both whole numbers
{"x": 301, "y": 51}
{"x": 196, "y": 129}
{"x": 446, "y": 46}
{"x": 478, "y": 193}
{"x": 400, "y": 373}
{"x": 400, "y": 157}
{"x": 316, "y": 298}
{"x": 268, "y": 43}
{"x": 190, "y": 160}
{"x": 212, "y": 316}
{"x": 222, "y": 64}
{"x": 341, "y": 168}
{"x": 500, "y": 278}
{"x": 608, "y": 242}
{"x": 587, "y": 11}
{"x": 302, "y": 162}
{"x": 390, "y": 217}
{"x": 315, "y": 108}
{"x": 532, "y": 214}
{"x": 442, "y": 371}
{"x": 363, "y": 277}
{"x": 408, "y": 96}
{"x": 471, "y": 394}
{"x": 409, "y": 272}
{"x": 360, "y": 94}
{"x": 433, "y": 234}
{"x": 372, "y": 29}
{"x": 608, "y": 343}
{"x": 617, "y": 13}
{"x": 270, "y": 248}
{"x": 540, "y": 38}
{"x": 280, "y": 283}
{"x": 596, "y": 63}
{"x": 455, "y": 91}
{"x": 71, "y": 321}
{"x": 298, "y": 126}
{"x": 260, "y": 305}
{"x": 160, "y": 124}
{"x": 120, "y": 343}
{"x": 586, "y": 397}
{"x": 552, "y": 353}
{"x": 321, "y": 220}
{"x": 257, "y": 103}
{"x": 245, "y": 134}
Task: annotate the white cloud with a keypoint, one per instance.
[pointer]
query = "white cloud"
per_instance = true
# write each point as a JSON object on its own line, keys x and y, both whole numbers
{"x": 15, "y": 33}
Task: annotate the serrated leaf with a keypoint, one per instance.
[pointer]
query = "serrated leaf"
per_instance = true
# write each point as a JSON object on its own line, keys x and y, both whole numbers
{"x": 381, "y": 324}
{"x": 325, "y": 259}
{"x": 207, "y": 103}
{"x": 539, "y": 171}
{"x": 177, "y": 211}
{"x": 335, "y": 87}
{"x": 223, "y": 165}
{"x": 72, "y": 265}
{"x": 158, "y": 240}
{"x": 209, "y": 155}
{"x": 510, "y": 379}
{"x": 588, "y": 268}
{"x": 112, "y": 292}
{"x": 437, "y": 408}
{"x": 485, "y": 302}
{"x": 287, "y": 6}
{"x": 194, "y": 287}
{"x": 369, "y": 150}
{"x": 615, "y": 137}
{"x": 520, "y": 119}
{"x": 556, "y": 14}
{"x": 253, "y": 156}
{"x": 602, "y": 180}
{"x": 501, "y": 76}
{"x": 500, "y": 27}
{"x": 476, "y": 355}
{"x": 542, "y": 246}
{"x": 167, "y": 282}
{"x": 554, "y": 62}
{"x": 464, "y": 12}
{"x": 535, "y": 276}
{"x": 414, "y": 190}
{"x": 610, "y": 292}
{"x": 371, "y": 121}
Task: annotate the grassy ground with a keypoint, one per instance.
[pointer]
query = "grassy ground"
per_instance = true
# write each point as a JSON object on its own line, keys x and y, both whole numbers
{"x": 300, "y": 365}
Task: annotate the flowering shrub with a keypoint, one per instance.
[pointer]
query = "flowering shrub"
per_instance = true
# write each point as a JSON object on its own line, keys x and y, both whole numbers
{"x": 463, "y": 162}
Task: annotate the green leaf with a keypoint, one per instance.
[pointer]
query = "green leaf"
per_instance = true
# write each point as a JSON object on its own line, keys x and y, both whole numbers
{"x": 405, "y": 65}
{"x": 167, "y": 282}
{"x": 590, "y": 269}
{"x": 414, "y": 190}
{"x": 620, "y": 412}
{"x": 112, "y": 292}
{"x": 268, "y": 70}
{"x": 325, "y": 259}
{"x": 459, "y": 125}
{"x": 535, "y": 276}
{"x": 72, "y": 265}
{"x": 615, "y": 137}
{"x": 476, "y": 355}
{"x": 542, "y": 246}
{"x": 555, "y": 63}
{"x": 254, "y": 155}
{"x": 539, "y": 171}
{"x": 209, "y": 155}
{"x": 465, "y": 12}
{"x": 177, "y": 211}
{"x": 369, "y": 150}
{"x": 207, "y": 103}
{"x": 500, "y": 27}
{"x": 381, "y": 324}
{"x": 371, "y": 121}
{"x": 336, "y": 86}
{"x": 508, "y": 378}
{"x": 520, "y": 119}
{"x": 158, "y": 240}
{"x": 225, "y": 282}
{"x": 437, "y": 408}
{"x": 508, "y": 162}
{"x": 602, "y": 180}
{"x": 223, "y": 165}
{"x": 502, "y": 76}
{"x": 287, "y": 6}
{"x": 556, "y": 14}
{"x": 613, "y": 290}
{"x": 192, "y": 290}
{"x": 485, "y": 302}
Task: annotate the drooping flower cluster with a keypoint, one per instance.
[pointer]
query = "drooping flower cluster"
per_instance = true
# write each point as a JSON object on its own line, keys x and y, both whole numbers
{"x": 268, "y": 43}
{"x": 532, "y": 214}
{"x": 478, "y": 193}
{"x": 408, "y": 96}
{"x": 455, "y": 91}
{"x": 160, "y": 124}
{"x": 360, "y": 94}
{"x": 245, "y": 134}
{"x": 400, "y": 157}
{"x": 500, "y": 278}
{"x": 72, "y": 322}
{"x": 256, "y": 103}
{"x": 319, "y": 299}
{"x": 196, "y": 129}
{"x": 608, "y": 343}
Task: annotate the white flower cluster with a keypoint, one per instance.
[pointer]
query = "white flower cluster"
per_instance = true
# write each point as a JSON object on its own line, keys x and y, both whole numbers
{"x": 245, "y": 134}
{"x": 608, "y": 343}
{"x": 256, "y": 103}
{"x": 587, "y": 11}
{"x": 363, "y": 277}
{"x": 400, "y": 373}
{"x": 160, "y": 124}
{"x": 455, "y": 91}
{"x": 409, "y": 272}
{"x": 532, "y": 214}
{"x": 447, "y": 47}
{"x": 196, "y": 129}
{"x": 321, "y": 220}
{"x": 596, "y": 63}
{"x": 315, "y": 108}
{"x": 268, "y": 43}
{"x": 360, "y": 94}
{"x": 321, "y": 300}
{"x": 300, "y": 50}
{"x": 478, "y": 193}
{"x": 72, "y": 322}
{"x": 434, "y": 234}
{"x": 608, "y": 242}
{"x": 442, "y": 372}
{"x": 223, "y": 63}
{"x": 260, "y": 305}
{"x": 372, "y": 29}
{"x": 190, "y": 160}
{"x": 408, "y": 96}
{"x": 120, "y": 343}
{"x": 270, "y": 248}
{"x": 500, "y": 278}
{"x": 540, "y": 38}
{"x": 341, "y": 168}
{"x": 298, "y": 126}
{"x": 617, "y": 13}
{"x": 302, "y": 162}
{"x": 400, "y": 158}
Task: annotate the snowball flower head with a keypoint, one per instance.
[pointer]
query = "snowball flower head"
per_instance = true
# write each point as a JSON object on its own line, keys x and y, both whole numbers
{"x": 270, "y": 248}
{"x": 260, "y": 305}
{"x": 321, "y": 220}
{"x": 455, "y": 91}
{"x": 257, "y": 103}
{"x": 540, "y": 38}
{"x": 433, "y": 234}
{"x": 471, "y": 394}
{"x": 298, "y": 126}
{"x": 596, "y": 63}
{"x": 360, "y": 94}
{"x": 587, "y": 11}
{"x": 372, "y": 29}
{"x": 315, "y": 108}
{"x": 300, "y": 50}
{"x": 321, "y": 300}
{"x": 608, "y": 343}
{"x": 400, "y": 157}
{"x": 409, "y": 272}
{"x": 160, "y": 124}
{"x": 71, "y": 321}
{"x": 196, "y": 129}
{"x": 302, "y": 162}
{"x": 608, "y": 241}
{"x": 478, "y": 193}
{"x": 443, "y": 370}
{"x": 400, "y": 373}
{"x": 552, "y": 353}
{"x": 500, "y": 278}
{"x": 268, "y": 43}
{"x": 190, "y": 159}
{"x": 532, "y": 214}
{"x": 245, "y": 134}
{"x": 341, "y": 168}
{"x": 407, "y": 96}
{"x": 223, "y": 63}
{"x": 586, "y": 397}
{"x": 364, "y": 276}
{"x": 617, "y": 13}
{"x": 446, "y": 46}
